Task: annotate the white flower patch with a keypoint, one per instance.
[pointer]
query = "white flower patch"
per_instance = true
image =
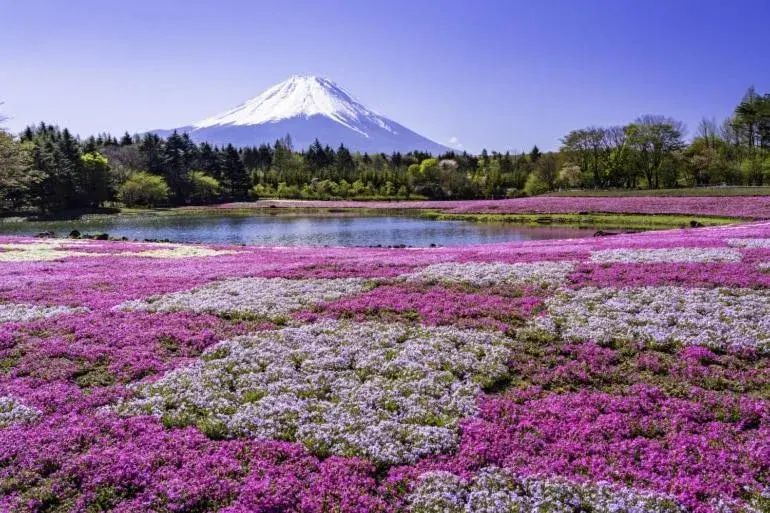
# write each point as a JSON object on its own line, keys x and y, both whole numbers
{"x": 485, "y": 274}
{"x": 262, "y": 297}
{"x": 650, "y": 256}
{"x": 12, "y": 410}
{"x": 49, "y": 250}
{"x": 387, "y": 392}
{"x": 494, "y": 490}
{"x": 178, "y": 252}
{"x": 749, "y": 243}
{"x": 13, "y": 312}
{"x": 37, "y": 251}
{"x": 661, "y": 315}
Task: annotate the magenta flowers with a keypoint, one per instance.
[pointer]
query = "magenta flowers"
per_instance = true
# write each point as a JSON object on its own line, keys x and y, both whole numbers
{"x": 731, "y": 206}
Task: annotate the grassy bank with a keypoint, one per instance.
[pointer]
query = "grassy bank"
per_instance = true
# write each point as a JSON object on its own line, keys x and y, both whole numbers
{"x": 690, "y": 191}
{"x": 610, "y": 221}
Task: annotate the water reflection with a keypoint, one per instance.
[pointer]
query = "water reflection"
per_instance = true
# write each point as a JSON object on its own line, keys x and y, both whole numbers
{"x": 268, "y": 230}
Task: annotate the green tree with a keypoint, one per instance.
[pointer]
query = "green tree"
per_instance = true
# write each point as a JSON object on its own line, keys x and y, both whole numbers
{"x": 56, "y": 153}
{"x": 126, "y": 140}
{"x": 489, "y": 177}
{"x": 18, "y": 177}
{"x": 753, "y": 170}
{"x": 570, "y": 176}
{"x": 426, "y": 178}
{"x": 177, "y": 160}
{"x": 706, "y": 161}
{"x": 94, "y": 185}
{"x": 144, "y": 189}
{"x": 535, "y": 154}
{"x": 234, "y": 174}
{"x": 748, "y": 115}
{"x": 344, "y": 165}
{"x": 151, "y": 149}
{"x": 535, "y": 185}
{"x": 204, "y": 188}
{"x": 588, "y": 149}
{"x": 654, "y": 140}
{"x": 547, "y": 169}
{"x": 209, "y": 162}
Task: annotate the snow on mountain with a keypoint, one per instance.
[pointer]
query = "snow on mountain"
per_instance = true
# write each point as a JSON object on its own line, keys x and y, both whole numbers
{"x": 298, "y": 96}
{"x": 308, "y": 107}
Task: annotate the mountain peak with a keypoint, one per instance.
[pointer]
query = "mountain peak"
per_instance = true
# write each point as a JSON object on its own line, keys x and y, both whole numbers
{"x": 298, "y": 96}
{"x": 308, "y": 107}
{"x": 306, "y": 78}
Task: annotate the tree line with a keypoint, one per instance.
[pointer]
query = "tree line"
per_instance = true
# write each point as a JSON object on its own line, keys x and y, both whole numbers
{"x": 49, "y": 169}
{"x": 651, "y": 152}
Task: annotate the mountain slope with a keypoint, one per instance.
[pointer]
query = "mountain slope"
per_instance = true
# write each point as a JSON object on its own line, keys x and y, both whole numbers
{"x": 308, "y": 107}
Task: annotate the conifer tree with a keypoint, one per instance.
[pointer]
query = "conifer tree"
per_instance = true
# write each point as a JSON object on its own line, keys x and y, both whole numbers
{"x": 177, "y": 166}
{"x": 234, "y": 174}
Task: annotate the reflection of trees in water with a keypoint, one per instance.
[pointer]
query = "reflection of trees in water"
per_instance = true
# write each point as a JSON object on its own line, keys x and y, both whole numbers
{"x": 298, "y": 230}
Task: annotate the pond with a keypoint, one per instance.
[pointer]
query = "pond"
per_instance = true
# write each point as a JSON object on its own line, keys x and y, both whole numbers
{"x": 297, "y": 230}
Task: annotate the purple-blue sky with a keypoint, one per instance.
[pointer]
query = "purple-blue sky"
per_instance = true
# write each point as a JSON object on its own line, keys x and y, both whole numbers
{"x": 497, "y": 74}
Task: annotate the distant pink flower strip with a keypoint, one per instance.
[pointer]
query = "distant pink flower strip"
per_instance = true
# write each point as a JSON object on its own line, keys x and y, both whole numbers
{"x": 751, "y": 207}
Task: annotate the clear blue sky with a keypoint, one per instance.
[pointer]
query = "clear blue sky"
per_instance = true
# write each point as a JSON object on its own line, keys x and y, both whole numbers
{"x": 496, "y": 74}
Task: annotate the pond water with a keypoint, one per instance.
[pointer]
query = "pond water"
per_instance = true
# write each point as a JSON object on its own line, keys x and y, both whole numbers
{"x": 296, "y": 230}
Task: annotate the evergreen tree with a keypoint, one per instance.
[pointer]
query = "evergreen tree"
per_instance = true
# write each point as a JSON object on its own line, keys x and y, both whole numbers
{"x": 57, "y": 189}
{"x": 534, "y": 155}
{"x": 151, "y": 147}
{"x": 234, "y": 174}
{"x": 265, "y": 157}
{"x": 18, "y": 177}
{"x": 318, "y": 158}
{"x": 209, "y": 161}
{"x": 176, "y": 167}
{"x": 344, "y": 164}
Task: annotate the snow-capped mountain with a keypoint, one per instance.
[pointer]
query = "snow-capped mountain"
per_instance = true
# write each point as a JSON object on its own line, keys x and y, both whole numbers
{"x": 308, "y": 107}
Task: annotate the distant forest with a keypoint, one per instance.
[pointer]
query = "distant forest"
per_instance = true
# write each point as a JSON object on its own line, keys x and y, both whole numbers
{"x": 46, "y": 168}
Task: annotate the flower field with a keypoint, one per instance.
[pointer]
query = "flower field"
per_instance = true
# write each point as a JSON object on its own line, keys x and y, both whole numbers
{"x": 748, "y": 207}
{"x": 611, "y": 374}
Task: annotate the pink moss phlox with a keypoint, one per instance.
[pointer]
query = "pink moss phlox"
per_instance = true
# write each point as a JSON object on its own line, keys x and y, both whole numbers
{"x": 435, "y": 306}
{"x": 710, "y": 447}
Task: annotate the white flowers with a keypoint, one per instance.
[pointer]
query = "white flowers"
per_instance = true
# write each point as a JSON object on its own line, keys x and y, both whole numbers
{"x": 173, "y": 251}
{"x": 35, "y": 251}
{"x": 487, "y": 274}
{"x": 493, "y": 490}
{"x": 386, "y": 392}
{"x": 749, "y": 243}
{"x": 12, "y": 410}
{"x": 268, "y": 298}
{"x": 646, "y": 256}
{"x": 57, "y": 249}
{"x": 662, "y": 315}
{"x": 12, "y": 312}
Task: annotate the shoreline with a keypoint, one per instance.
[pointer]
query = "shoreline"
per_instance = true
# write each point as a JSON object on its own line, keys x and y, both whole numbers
{"x": 582, "y": 220}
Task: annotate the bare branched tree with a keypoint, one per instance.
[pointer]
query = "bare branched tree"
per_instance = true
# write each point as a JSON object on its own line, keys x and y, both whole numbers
{"x": 708, "y": 131}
